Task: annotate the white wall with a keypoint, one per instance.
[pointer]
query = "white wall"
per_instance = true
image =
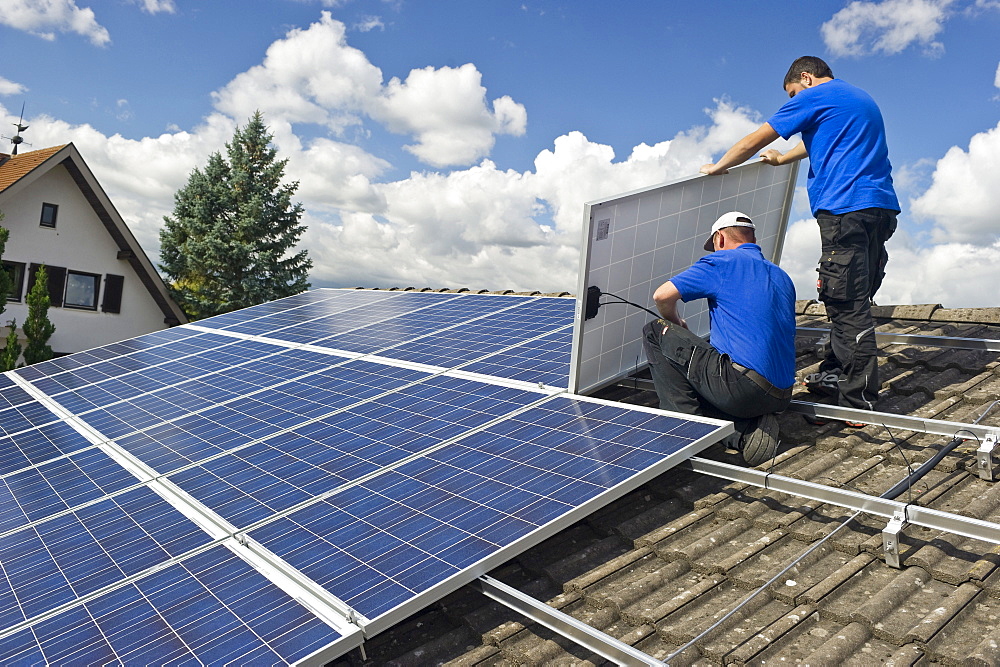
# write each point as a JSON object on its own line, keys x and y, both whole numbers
{"x": 79, "y": 242}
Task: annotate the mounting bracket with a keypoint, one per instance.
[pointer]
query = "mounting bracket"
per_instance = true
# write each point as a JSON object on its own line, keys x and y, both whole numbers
{"x": 890, "y": 538}
{"x": 984, "y": 457}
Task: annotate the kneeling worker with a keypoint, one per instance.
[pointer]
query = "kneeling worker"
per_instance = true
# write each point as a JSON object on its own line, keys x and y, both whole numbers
{"x": 746, "y": 374}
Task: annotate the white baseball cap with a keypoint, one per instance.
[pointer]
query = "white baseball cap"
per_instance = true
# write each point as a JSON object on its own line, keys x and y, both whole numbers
{"x": 731, "y": 219}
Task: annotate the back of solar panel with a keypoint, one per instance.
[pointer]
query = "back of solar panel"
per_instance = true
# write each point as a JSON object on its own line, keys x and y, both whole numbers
{"x": 634, "y": 242}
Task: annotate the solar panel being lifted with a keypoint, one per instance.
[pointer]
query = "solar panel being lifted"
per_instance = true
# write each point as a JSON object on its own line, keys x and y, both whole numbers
{"x": 274, "y": 484}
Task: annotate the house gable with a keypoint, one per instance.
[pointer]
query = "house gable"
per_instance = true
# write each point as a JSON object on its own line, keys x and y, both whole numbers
{"x": 87, "y": 237}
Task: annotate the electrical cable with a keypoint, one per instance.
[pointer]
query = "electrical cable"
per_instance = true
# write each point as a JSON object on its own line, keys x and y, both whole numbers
{"x": 626, "y": 301}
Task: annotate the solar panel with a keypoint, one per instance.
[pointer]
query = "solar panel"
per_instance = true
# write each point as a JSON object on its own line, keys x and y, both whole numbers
{"x": 266, "y": 485}
{"x": 635, "y": 242}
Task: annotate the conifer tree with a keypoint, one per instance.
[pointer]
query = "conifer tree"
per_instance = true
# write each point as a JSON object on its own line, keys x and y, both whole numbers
{"x": 37, "y": 327}
{"x": 12, "y": 350}
{"x": 230, "y": 241}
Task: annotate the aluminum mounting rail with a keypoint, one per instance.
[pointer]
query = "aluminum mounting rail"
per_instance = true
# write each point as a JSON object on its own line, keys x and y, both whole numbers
{"x": 887, "y": 419}
{"x": 956, "y": 524}
{"x": 589, "y": 637}
{"x": 917, "y": 339}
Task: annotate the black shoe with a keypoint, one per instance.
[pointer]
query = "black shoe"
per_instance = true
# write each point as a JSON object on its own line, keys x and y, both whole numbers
{"x": 760, "y": 440}
{"x": 822, "y": 383}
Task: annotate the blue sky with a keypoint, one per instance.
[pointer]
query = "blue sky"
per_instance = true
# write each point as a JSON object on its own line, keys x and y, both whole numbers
{"x": 453, "y": 143}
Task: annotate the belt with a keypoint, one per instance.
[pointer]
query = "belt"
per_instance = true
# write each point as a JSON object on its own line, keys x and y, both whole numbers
{"x": 762, "y": 382}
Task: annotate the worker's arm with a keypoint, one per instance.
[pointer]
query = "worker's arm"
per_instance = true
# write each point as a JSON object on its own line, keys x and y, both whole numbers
{"x": 666, "y": 297}
{"x": 775, "y": 158}
{"x": 744, "y": 149}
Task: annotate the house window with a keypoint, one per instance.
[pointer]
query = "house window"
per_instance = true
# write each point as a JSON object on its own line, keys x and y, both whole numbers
{"x": 81, "y": 290}
{"x": 16, "y": 272}
{"x": 49, "y": 212}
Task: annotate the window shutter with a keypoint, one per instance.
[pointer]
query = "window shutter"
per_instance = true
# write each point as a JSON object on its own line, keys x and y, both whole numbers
{"x": 112, "y": 293}
{"x": 57, "y": 282}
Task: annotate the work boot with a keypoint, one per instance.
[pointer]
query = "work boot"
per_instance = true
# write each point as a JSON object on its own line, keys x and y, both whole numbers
{"x": 760, "y": 439}
{"x": 822, "y": 383}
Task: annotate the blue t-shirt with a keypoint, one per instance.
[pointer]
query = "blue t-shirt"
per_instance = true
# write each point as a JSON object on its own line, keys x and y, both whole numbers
{"x": 844, "y": 134}
{"x": 751, "y": 303}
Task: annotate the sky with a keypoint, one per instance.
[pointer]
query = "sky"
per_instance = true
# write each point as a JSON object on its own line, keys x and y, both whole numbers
{"x": 453, "y": 143}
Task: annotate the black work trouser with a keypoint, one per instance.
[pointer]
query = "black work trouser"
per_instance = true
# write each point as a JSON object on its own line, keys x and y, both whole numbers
{"x": 691, "y": 377}
{"x": 851, "y": 269}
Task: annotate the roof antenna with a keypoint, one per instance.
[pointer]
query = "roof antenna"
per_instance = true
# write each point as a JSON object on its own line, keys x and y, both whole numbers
{"x": 21, "y": 127}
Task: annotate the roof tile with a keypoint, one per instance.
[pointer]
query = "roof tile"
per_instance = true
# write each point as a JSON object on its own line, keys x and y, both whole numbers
{"x": 18, "y": 166}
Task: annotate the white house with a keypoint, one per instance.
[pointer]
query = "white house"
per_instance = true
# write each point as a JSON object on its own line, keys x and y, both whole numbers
{"x": 102, "y": 286}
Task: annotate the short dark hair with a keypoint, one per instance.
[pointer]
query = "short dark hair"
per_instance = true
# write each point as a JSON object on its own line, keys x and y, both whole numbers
{"x": 812, "y": 64}
{"x": 740, "y": 234}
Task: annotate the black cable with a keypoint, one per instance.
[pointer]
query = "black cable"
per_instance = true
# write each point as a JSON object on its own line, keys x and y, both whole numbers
{"x": 909, "y": 469}
{"x": 626, "y": 301}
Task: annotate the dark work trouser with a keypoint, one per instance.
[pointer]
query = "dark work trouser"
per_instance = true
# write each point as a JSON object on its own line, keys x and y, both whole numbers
{"x": 851, "y": 269}
{"x": 691, "y": 377}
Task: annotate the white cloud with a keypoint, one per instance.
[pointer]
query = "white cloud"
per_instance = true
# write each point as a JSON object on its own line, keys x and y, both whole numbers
{"x": 47, "y": 18}
{"x": 996, "y": 78}
{"x": 369, "y": 23}
{"x": 156, "y": 6}
{"x": 886, "y": 27}
{"x": 914, "y": 275}
{"x": 8, "y": 87}
{"x": 310, "y": 76}
{"x": 482, "y": 227}
{"x": 445, "y": 110}
{"x": 314, "y": 76}
{"x": 964, "y": 195}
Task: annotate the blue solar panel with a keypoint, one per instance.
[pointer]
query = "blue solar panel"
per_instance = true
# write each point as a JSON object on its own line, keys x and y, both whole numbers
{"x": 211, "y": 608}
{"x": 405, "y": 325}
{"x": 543, "y": 360}
{"x": 487, "y": 335}
{"x": 35, "y": 493}
{"x": 166, "y": 441}
{"x": 379, "y": 543}
{"x": 38, "y": 445}
{"x": 399, "y": 450}
{"x": 56, "y": 561}
{"x": 259, "y": 481}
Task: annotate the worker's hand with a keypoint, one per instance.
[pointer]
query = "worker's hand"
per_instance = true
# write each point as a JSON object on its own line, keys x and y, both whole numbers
{"x": 771, "y": 157}
{"x": 712, "y": 170}
{"x": 684, "y": 323}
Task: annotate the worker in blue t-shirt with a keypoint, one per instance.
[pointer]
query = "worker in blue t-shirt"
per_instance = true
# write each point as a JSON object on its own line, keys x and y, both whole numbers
{"x": 746, "y": 374}
{"x": 851, "y": 195}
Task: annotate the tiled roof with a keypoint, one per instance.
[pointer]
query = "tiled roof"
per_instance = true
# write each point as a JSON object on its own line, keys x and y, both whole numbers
{"x": 15, "y": 167}
{"x": 660, "y": 565}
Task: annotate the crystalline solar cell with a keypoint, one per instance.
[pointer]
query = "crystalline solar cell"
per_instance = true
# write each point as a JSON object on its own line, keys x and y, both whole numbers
{"x": 38, "y": 445}
{"x": 489, "y": 335}
{"x": 211, "y": 608}
{"x": 544, "y": 360}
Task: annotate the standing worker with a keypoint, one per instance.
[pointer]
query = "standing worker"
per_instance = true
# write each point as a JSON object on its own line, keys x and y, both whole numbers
{"x": 852, "y": 198}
